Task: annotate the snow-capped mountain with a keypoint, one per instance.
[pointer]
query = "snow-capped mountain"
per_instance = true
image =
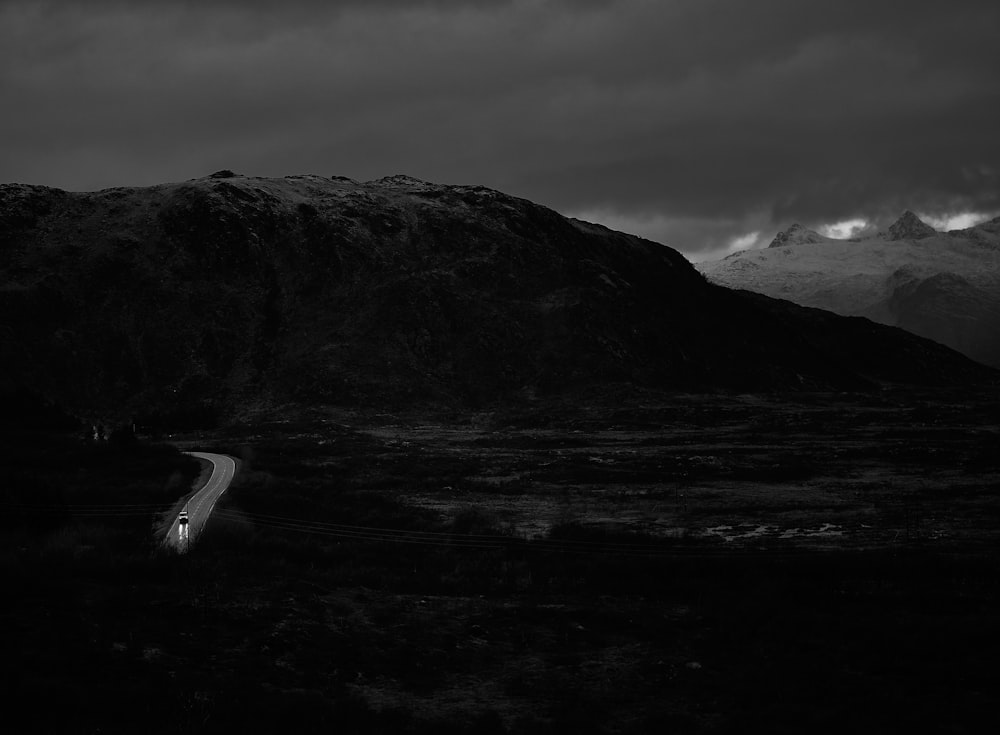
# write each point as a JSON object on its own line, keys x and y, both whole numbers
{"x": 940, "y": 285}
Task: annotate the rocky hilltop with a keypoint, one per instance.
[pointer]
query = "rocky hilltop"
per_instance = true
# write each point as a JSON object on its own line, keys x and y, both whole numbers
{"x": 797, "y": 235}
{"x": 910, "y": 227}
{"x": 941, "y": 285}
{"x": 228, "y": 293}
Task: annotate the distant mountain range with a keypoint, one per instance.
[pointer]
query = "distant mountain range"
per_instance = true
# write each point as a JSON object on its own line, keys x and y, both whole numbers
{"x": 229, "y": 293}
{"x": 941, "y": 285}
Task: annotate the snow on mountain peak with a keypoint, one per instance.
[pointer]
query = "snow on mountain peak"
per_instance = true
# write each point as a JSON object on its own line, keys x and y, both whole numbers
{"x": 796, "y": 235}
{"x": 910, "y": 227}
{"x": 943, "y": 286}
{"x": 990, "y": 226}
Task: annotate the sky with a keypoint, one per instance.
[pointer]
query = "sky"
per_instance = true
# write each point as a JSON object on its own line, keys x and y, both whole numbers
{"x": 707, "y": 125}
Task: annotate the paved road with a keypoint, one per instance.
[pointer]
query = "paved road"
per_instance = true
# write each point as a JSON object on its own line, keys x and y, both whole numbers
{"x": 199, "y": 507}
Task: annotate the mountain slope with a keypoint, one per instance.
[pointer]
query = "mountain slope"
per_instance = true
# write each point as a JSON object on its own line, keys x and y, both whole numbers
{"x": 943, "y": 286}
{"x": 227, "y": 291}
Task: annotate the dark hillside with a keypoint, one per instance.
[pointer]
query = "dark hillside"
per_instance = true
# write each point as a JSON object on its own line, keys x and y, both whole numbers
{"x": 187, "y": 300}
{"x": 880, "y": 353}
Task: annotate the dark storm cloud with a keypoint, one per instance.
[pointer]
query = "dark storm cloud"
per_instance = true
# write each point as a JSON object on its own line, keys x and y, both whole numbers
{"x": 692, "y": 122}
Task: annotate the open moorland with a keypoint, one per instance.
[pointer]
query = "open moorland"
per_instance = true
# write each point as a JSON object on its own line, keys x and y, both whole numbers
{"x": 814, "y": 563}
{"x": 812, "y": 471}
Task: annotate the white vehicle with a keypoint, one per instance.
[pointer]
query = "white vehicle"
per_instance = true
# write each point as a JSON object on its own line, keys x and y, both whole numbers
{"x": 182, "y": 525}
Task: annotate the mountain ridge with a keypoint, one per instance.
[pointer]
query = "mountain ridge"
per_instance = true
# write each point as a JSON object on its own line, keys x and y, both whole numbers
{"x": 229, "y": 290}
{"x": 941, "y": 285}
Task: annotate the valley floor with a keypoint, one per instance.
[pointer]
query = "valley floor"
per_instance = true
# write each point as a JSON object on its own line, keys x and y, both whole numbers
{"x": 698, "y": 564}
{"x": 729, "y": 472}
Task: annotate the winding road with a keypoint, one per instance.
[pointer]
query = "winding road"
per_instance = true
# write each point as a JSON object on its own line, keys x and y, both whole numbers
{"x": 199, "y": 507}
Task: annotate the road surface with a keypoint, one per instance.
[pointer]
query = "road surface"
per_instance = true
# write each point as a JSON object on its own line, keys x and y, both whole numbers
{"x": 199, "y": 507}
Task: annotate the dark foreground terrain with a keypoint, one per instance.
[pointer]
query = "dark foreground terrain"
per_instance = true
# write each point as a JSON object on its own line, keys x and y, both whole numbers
{"x": 822, "y": 563}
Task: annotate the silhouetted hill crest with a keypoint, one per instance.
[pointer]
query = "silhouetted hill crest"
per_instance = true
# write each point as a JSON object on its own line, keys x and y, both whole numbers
{"x": 245, "y": 291}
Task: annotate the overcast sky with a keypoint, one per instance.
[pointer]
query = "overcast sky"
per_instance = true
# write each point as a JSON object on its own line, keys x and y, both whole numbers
{"x": 697, "y": 123}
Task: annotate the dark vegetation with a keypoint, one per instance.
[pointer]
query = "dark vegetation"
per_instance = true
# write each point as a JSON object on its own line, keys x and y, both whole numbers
{"x": 330, "y": 592}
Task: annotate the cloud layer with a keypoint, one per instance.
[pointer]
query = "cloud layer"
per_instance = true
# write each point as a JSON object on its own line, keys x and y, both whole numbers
{"x": 694, "y": 122}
